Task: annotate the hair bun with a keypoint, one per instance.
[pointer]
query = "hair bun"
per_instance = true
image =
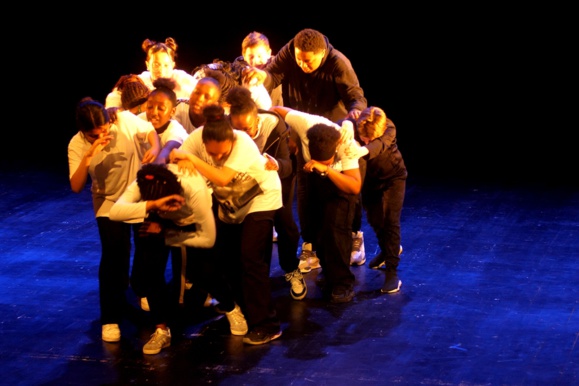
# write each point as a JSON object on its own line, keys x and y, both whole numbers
{"x": 213, "y": 113}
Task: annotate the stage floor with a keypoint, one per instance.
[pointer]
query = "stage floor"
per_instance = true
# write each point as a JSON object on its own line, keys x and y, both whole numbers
{"x": 490, "y": 296}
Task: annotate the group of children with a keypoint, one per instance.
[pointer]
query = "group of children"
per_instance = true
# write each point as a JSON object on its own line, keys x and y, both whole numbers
{"x": 202, "y": 167}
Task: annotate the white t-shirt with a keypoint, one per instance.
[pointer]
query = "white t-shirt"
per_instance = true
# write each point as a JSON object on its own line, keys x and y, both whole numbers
{"x": 182, "y": 116}
{"x": 300, "y": 122}
{"x": 197, "y": 209}
{"x": 236, "y": 199}
{"x": 112, "y": 169}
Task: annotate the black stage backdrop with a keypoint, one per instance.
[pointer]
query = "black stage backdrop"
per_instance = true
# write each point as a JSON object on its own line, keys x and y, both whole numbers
{"x": 457, "y": 82}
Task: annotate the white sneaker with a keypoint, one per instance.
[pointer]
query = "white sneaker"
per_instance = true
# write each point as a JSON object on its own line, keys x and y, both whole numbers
{"x": 159, "y": 340}
{"x": 308, "y": 259}
{"x": 145, "y": 304}
{"x": 274, "y": 235}
{"x": 237, "y": 322}
{"x": 358, "y": 256}
{"x": 111, "y": 333}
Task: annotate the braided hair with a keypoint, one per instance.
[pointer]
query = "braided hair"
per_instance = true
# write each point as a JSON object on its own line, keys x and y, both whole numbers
{"x": 156, "y": 181}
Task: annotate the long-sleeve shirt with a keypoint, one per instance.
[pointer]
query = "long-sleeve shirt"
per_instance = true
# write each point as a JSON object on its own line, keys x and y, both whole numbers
{"x": 196, "y": 210}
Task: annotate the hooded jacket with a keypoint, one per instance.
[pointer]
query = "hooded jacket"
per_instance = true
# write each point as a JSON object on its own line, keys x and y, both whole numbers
{"x": 331, "y": 91}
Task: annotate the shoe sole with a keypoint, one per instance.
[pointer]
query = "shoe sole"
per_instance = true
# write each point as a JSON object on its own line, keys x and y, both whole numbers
{"x": 298, "y": 297}
{"x": 381, "y": 265}
{"x": 306, "y": 270}
{"x": 239, "y": 333}
{"x": 153, "y": 352}
{"x": 114, "y": 340}
{"x": 394, "y": 290}
{"x": 358, "y": 263}
{"x": 269, "y": 339}
{"x": 342, "y": 300}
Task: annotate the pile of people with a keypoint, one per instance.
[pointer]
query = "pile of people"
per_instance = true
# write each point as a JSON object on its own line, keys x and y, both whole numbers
{"x": 204, "y": 167}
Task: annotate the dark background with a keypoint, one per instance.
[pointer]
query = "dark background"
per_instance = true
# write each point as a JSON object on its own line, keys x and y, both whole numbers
{"x": 463, "y": 83}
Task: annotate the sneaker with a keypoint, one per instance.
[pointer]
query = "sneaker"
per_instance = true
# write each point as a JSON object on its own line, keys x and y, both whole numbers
{"x": 260, "y": 336}
{"x": 111, "y": 333}
{"x": 391, "y": 284}
{"x": 274, "y": 235}
{"x": 358, "y": 256}
{"x": 379, "y": 262}
{"x": 159, "y": 340}
{"x": 145, "y": 304}
{"x": 308, "y": 259}
{"x": 298, "y": 288}
{"x": 342, "y": 294}
{"x": 237, "y": 322}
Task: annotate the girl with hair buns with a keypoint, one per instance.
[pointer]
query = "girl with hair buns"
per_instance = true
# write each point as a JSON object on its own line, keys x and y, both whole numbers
{"x": 160, "y": 109}
{"x": 247, "y": 195}
{"x": 160, "y": 63}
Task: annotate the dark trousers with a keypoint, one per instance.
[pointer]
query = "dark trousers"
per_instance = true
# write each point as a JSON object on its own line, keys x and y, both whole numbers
{"x": 288, "y": 233}
{"x": 204, "y": 273}
{"x": 383, "y": 210}
{"x": 114, "y": 267}
{"x": 244, "y": 253}
{"x": 306, "y": 231}
{"x": 330, "y": 213}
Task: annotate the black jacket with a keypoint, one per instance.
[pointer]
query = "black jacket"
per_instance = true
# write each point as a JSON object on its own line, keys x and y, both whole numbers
{"x": 330, "y": 91}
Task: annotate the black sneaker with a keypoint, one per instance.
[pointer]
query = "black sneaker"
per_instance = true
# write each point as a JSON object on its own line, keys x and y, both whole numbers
{"x": 260, "y": 336}
{"x": 342, "y": 294}
{"x": 391, "y": 284}
{"x": 377, "y": 262}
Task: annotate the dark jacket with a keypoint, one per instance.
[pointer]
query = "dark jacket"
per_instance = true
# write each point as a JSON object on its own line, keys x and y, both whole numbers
{"x": 330, "y": 91}
{"x": 276, "y": 146}
{"x": 383, "y": 162}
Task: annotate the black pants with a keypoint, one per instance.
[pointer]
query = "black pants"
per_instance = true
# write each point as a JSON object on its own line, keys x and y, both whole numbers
{"x": 244, "y": 253}
{"x": 329, "y": 213}
{"x": 288, "y": 233}
{"x": 383, "y": 210}
{"x": 114, "y": 266}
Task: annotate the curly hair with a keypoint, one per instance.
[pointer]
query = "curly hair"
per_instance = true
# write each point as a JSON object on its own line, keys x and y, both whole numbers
{"x": 322, "y": 141}
{"x": 167, "y": 87}
{"x": 310, "y": 40}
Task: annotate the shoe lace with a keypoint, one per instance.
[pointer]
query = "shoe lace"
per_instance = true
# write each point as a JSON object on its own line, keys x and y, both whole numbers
{"x": 305, "y": 254}
{"x": 295, "y": 279}
{"x": 236, "y": 317}
{"x": 157, "y": 338}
